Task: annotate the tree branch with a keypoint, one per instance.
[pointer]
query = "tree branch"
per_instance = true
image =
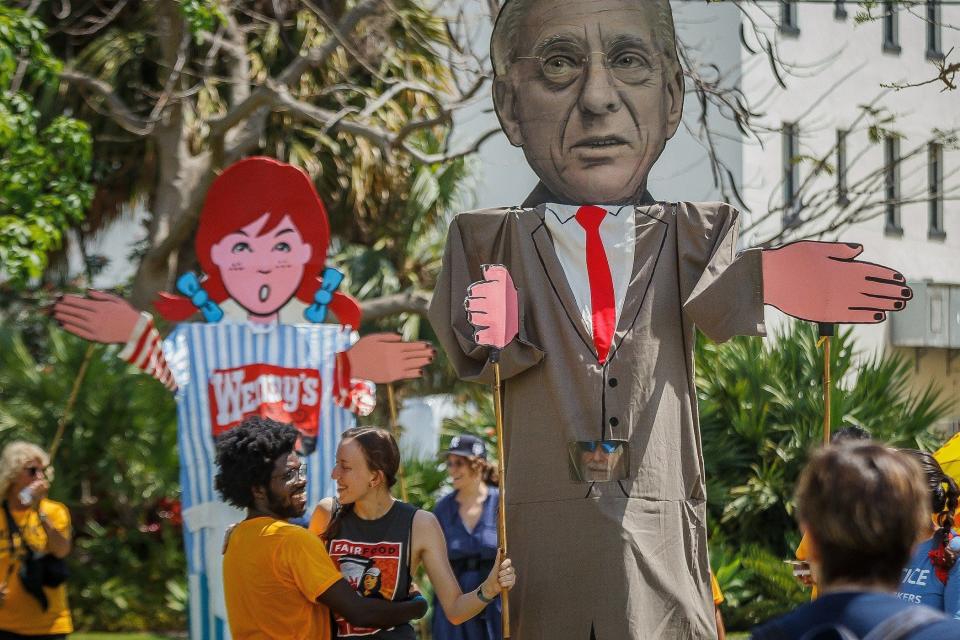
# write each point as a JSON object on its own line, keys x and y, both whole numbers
{"x": 117, "y": 109}
{"x": 408, "y": 302}
{"x": 289, "y": 76}
{"x": 386, "y": 140}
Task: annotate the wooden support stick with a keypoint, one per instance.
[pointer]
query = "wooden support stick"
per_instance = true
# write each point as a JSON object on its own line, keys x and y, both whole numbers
{"x": 501, "y": 468}
{"x": 395, "y": 430}
{"x": 71, "y": 401}
{"x": 826, "y": 332}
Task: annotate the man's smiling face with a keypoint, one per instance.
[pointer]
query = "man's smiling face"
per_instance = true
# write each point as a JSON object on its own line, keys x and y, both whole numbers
{"x": 590, "y": 97}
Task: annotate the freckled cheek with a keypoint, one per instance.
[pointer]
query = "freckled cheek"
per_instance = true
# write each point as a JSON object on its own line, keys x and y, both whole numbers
{"x": 237, "y": 266}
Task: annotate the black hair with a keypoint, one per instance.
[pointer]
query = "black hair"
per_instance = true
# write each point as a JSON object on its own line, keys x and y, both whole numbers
{"x": 849, "y": 433}
{"x": 944, "y": 497}
{"x": 246, "y": 456}
{"x": 381, "y": 453}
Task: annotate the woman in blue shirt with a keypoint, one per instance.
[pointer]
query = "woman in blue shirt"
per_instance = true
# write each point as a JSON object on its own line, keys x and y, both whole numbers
{"x": 468, "y": 517}
{"x": 932, "y": 577}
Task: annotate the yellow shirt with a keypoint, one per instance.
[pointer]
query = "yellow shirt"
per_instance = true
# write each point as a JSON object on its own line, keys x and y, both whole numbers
{"x": 803, "y": 555}
{"x": 273, "y": 573}
{"x": 715, "y": 588}
{"x": 20, "y": 611}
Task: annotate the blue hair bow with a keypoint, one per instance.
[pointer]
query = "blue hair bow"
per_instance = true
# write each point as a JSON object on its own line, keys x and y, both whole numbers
{"x": 331, "y": 279}
{"x": 189, "y": 285}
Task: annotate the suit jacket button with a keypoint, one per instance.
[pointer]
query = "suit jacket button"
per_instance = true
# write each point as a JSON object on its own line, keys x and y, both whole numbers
{"x": 612, "y": 382}
{"x": 614, "y": 422}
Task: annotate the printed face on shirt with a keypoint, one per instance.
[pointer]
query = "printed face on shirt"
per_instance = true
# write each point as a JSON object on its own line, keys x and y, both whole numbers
{"x": 287, "y": 493}
{"x": 590, "y": 97}
{"x": 262, "y": 270}
{"x": 351, "y": 473}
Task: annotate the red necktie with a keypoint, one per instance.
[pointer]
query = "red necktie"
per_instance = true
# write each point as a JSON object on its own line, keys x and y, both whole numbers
{"x": 601, "y": 282}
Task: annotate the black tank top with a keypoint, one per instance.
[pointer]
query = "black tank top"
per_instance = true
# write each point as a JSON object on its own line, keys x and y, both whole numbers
{"x": 374, "y": 558}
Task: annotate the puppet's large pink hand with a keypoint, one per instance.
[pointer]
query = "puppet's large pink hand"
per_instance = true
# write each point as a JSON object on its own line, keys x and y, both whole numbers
{"x": 385, "y": 357}
{"x": 99, "y": 317}
{"x": 493, "y": 308}
{"x": 821, "y": 282}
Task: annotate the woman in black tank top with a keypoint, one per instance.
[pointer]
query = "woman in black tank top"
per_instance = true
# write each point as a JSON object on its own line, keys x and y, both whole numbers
{"x": 378, "y": 542}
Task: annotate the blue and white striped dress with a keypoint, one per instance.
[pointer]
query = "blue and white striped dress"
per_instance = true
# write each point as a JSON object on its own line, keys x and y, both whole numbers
{"x": 259, "y": 358}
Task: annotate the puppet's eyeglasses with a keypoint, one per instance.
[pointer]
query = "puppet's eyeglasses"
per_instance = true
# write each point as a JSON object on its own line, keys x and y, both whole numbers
{"x": 565, "y": 65}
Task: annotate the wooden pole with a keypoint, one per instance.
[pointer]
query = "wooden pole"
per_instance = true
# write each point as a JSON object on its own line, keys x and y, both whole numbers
{"x": 826, "y": 332}
{"x": 395, "y": 430}
{"x": 501, "y": 468}
{"x": 71, "y": 401}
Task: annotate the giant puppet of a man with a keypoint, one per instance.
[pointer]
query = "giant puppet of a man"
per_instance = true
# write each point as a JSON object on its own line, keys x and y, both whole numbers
{"x": 605, "y": 486}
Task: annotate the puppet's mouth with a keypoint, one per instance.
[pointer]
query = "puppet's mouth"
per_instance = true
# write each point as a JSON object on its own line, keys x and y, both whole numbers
{"x": 599, "y": 142}
{"x": 264, "y": 293}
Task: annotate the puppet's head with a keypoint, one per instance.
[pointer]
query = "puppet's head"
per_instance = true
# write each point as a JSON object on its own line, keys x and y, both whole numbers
{"x": 591, "y": 91}
{"x": 262, "y": 241}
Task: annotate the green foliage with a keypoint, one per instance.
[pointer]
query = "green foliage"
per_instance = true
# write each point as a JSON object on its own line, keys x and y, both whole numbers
{"x": 761, "y": 411}
{"x": 757, "y": 585}
{"x": 21, "y": 43}
{"x": 44, "y": 166}
{"x": 201, "y": 15}
{"x": 117, "y": 464}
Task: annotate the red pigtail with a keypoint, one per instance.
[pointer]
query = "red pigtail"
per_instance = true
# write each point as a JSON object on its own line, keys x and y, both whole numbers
{"x": 347, "y": 309}
{"x": 174, "y": 308}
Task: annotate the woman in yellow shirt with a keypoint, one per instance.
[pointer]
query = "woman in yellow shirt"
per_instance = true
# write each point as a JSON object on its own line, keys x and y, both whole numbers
{"x": 38, "y": 524}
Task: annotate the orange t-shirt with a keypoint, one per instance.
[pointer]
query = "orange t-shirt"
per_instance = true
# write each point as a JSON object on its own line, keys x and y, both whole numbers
{"x": 273, "y": 573}
{"x": 21, "y": 612}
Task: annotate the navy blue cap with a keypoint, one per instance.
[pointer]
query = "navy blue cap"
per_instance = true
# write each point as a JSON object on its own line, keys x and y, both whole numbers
{"x": 467, "y": 446}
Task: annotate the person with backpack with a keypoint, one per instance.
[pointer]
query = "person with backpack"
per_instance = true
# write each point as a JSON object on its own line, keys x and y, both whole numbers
{"x": 861, "y": 506}
{"x": 932, "y": 576}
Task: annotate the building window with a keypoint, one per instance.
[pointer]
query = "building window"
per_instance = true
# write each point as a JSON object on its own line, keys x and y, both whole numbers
{"x": 891, "y": 28}
{"x": 791, "y": 172}
{"x": 934, "y": 41}
{"x": 788, "y": 18}
{"x": 891, "y": 170}
{"x": 843, "y": 197}
{"x": 839, "y": 9}
{"x": 935, "y": 189}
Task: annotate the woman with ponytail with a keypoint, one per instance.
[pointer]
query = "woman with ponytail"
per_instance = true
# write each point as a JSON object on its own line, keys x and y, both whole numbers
{"x": 932, "y": 576}
{"x": 367, "y": 529}
{"x": 468, "y": 517}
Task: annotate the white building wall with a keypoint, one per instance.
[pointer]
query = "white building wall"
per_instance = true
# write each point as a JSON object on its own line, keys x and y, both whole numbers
{"x": 839, "y": 66}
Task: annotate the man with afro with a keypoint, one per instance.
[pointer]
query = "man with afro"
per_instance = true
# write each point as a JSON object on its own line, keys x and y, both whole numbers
{"x": 278, "y": 580}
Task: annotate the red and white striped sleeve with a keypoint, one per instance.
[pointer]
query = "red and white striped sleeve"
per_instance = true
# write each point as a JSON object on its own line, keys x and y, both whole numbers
{"x": 353, "y": 394}
{"x": 143, "y": 351}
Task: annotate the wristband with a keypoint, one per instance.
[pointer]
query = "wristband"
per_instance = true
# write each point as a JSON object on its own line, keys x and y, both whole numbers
{"x": 484, "y": 599}
{"x": 418, "y": 597}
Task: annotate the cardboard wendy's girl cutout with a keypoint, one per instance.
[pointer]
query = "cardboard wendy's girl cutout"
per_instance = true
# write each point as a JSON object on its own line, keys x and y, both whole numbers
{"x": 262, "y": 348}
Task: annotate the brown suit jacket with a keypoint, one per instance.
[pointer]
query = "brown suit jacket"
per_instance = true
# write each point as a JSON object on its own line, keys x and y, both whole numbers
{"x": 628, "y": 558}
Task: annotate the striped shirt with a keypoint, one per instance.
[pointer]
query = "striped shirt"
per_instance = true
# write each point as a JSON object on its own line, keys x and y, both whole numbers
{"x": 222, "y": 373}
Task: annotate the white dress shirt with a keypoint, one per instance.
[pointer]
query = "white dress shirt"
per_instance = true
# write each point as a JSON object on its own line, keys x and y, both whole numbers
{"x": 617, "y": 232}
